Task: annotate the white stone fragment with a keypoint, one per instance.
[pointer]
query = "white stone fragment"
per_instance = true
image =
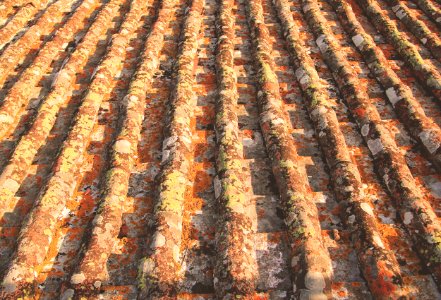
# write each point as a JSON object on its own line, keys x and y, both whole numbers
{"x": 132, "y": 99}
{"x": 400, "y": 14}
{"x": 431, "y": 144}
{"x": 147, "y": 266}
{"x": 408, "y": 216}
{"x": 358, "y": 40}
{"x": 392, "y": 95}
{"x": 295, "y": 260}
{"x": 375, "y": 146}
{"x": 267, "y": 116}
{"x": 98, "y": 220}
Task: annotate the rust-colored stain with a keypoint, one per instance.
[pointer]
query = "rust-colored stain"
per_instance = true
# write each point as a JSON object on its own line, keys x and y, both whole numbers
{"x": 229, "y": 149}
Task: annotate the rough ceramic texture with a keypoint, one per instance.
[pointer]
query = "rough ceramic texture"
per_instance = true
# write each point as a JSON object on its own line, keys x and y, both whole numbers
{"x": 108, "y": 218}
{"x": 417, "y": 214}
{"x": 37, "y": 231}
{"x": 34, "y": 37}
{"x": 20, "y": 93}
{"x": 311, "y": 265}
{"x": 407, "y": 107}
{"x": 235, "y": 271}
{"x": 430, "y": 39}
{"x": 427, "y": 73}
{"x": 20, "y": 19}
{"x": 160, "y": 274}
{"x": 431, "y": 10}
{"x": 378, "y": 263}
{"x": 267, "y": 149}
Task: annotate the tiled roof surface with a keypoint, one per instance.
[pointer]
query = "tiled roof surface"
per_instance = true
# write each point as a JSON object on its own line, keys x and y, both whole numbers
{"x": 220, "y": 149}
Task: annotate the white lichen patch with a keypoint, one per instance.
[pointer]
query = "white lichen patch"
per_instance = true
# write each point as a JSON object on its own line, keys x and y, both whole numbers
{"x": 122, "y": 146}
{"x": 65, "y": 212}
{"x": 97, "y": 284}
{"x": 278, "y": 121}
{"x": 165, "y": 156}
{"x": 315, "y": 281}
{"x": 158, "y": 241}
{"x": 77, "y": 278}
{"x": 168, "y": 142}
{"x": 273, "y": 262}
{"x": 365, "y": 130}
{"x": 68, "y": 294}
{"x": 9, "y": 282}
{"x": 6, "y": 119}
{"x": 11, "y": 184}
{"x": 131, "y": 100}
